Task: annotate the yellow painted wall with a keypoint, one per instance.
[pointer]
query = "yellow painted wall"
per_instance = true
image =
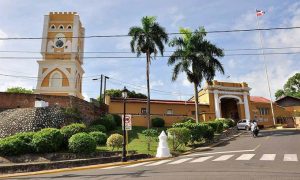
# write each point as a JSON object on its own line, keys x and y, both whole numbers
{"x": 158, "y": 110}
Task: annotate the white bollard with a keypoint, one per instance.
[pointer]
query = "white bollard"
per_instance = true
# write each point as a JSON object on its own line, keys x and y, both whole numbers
{"x": 163, "y": 149}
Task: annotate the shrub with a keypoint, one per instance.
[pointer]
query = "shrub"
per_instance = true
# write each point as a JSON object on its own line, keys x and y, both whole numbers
{"x": 208, "y": 133}
{"x": 180, "y": 136}
{"x": 10, "y": 147}
{"x": 26, "y": 138}
{"x": 195, "y": 128}
{"x": 99, "y": 137}
{"x": 99, "y": 127}
{"x": 108, "y": 121}
{"x": 72, "y": 129}
{"x": 151, "y": 135}
{"x": 217, "y": 126}
{"x": 198, "y": 130}
{"x": 47, "y": 140}
{"x": 73, "y": 114}
{"x": 117, "y": 119}
{"x": 227, "y": 122}
{"x": 188, "y": 119}
{"x": 115, "y": 141}
{"x": 158, "y": 122}
{"x": 82, "y": 143}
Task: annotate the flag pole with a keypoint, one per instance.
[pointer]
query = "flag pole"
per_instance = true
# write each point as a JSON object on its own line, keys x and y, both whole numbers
{"x": 266, "y": 69}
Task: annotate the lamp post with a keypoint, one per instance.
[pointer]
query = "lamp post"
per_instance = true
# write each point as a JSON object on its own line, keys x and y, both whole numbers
{"x": 124, "y": 95}
{"x": 101, "y": 79}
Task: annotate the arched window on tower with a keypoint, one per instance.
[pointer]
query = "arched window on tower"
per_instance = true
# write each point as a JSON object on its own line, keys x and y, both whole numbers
{"x": 56, "y": 80}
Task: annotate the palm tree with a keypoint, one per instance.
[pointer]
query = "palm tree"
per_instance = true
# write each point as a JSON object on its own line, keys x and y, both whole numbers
{"x": 196, "y": 57}
{"x": 148, "y": 39}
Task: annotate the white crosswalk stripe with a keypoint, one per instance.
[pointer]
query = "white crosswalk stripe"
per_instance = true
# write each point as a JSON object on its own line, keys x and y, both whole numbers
{"x": 223, "y": 158}
{"x": 201, "y": 159}
{"x": 136, "y": 165}
{"x": 245, "y": 157}
{"x": 268, "y": 157}
{"x": 158, "y": 163}
{"x": 290, "y": 157}
{"x": 180, "y": 161}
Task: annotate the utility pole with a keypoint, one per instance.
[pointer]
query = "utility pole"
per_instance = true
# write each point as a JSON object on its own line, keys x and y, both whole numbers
{"x": 104, "y": 93}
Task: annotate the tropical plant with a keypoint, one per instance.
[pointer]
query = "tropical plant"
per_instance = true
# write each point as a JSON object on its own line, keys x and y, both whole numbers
{"x": 197, "y": 57}
{"x": 148, "y": 39}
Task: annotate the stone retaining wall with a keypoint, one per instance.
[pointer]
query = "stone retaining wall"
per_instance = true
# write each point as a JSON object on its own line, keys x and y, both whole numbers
{"x": 19, "y": 100}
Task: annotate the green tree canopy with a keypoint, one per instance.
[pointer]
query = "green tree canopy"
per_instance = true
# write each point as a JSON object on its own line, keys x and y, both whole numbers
{"x": 117, "y": 93}
{"x": 290, "y": 88}
{"x": 148, "y": 39}
{"x": 19, "y": 90}
{"x": 196, "y": 57}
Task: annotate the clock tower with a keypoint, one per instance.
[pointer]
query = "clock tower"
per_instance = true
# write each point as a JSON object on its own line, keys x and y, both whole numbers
{"x": 60, "y": 70}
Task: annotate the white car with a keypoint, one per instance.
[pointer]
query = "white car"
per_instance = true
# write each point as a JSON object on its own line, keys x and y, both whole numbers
{"x": 243, "y": 124}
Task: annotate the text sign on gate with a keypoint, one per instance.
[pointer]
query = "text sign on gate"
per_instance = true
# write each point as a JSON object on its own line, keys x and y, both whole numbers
{"x": 128, "y": 125}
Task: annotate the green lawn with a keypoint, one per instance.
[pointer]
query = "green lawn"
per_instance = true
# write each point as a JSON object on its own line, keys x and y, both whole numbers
{"x": 137, "y": 141}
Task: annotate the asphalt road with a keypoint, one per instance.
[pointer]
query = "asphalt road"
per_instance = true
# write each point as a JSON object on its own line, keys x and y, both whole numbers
{"x": 273, "y": 155}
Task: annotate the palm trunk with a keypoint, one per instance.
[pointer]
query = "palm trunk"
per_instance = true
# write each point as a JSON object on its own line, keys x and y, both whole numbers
{"x": 196, "y": 102}
{"x": 148, "y": 90}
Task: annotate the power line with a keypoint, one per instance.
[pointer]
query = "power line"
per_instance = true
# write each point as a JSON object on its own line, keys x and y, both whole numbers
{"x": 128, "y": 52}
{"x": 173, "y": 33}
{"x": 135, "y": 57}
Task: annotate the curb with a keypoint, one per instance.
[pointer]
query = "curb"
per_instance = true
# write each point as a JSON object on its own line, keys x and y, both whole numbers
{"x": 80, "y": 168}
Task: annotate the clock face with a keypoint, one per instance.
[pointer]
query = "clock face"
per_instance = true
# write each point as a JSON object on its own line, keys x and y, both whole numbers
{"x": 59, "y": 43}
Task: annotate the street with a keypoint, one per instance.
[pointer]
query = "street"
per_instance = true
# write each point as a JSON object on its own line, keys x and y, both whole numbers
{"x": 272, "y": 155}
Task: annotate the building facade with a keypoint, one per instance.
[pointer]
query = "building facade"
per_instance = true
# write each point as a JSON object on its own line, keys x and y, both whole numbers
{"x": 216, "y": 100}
{"x": 60, "y": 70}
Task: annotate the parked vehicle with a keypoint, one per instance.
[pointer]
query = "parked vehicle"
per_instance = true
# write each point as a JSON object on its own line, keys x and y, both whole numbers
{"x": 244, "y": 124}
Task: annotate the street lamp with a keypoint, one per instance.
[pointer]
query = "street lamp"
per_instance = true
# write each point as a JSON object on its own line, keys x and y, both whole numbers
{"x": 124, "y": 95}
{"x": 101, "y": 79}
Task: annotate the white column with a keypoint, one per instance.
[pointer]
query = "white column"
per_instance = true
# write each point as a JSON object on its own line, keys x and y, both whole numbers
{"x": 246, "y": 105}
{"x": 217, "y": 104}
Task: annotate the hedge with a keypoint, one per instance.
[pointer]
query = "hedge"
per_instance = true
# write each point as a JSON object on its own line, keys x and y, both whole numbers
{"x": 82, "y": 143}
{"x": 99, "y": 137}
{"x": 180, "y": 136}
{"x": 47, "y": 140}
{"x": 99, "y": 127}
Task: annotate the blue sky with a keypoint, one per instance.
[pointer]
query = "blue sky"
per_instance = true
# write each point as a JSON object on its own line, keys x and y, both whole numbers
{"x": 25, "y": 19}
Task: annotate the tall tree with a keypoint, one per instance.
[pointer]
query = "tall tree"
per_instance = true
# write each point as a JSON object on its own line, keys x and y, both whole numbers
{"x": 148, "y": 39}
{"x": 196, "y": 57}
{"x": 290, "y": 88}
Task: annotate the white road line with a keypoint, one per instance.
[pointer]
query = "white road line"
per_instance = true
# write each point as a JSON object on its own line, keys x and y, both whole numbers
{"x": 158, "y": 163}
{"x": 290, "y": 157}
{"x": 110, "y": 167}
{"x": 201, "y": 159}
{"x": 223, "y": 158}
{"x": 222, "y": 152}
{"x": 245, "y": 157}
{"x": 268, "y": 157}
{"x": 136, "y": 165}
{"x": 180, "y": 161}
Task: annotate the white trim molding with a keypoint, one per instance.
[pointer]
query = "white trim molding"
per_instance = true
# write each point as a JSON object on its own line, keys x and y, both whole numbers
{"x": 231, "y": 96}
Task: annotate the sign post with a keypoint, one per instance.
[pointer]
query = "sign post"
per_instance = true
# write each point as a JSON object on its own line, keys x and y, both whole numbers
{"x": 128, "y": 124}
{"x": 128, "y": 127}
